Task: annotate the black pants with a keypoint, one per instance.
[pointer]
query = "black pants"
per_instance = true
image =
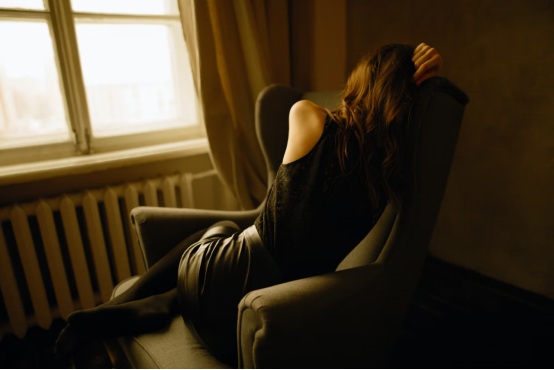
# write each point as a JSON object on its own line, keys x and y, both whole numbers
{"x": 214, "y": 274}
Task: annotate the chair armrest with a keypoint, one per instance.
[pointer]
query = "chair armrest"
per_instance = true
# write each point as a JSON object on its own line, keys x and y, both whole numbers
{"x": 159, "y": 229}
{"x": 348, "y": 318}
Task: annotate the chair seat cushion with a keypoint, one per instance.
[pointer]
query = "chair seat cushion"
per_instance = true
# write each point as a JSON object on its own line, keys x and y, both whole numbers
{"x": 168, "y": 348}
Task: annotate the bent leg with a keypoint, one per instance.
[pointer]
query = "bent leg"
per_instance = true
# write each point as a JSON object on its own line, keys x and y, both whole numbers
{"x": 145, "y": 306}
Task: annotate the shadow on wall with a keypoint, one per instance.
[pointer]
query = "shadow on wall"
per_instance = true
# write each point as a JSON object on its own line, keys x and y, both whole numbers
{"x": 496, "y": 217}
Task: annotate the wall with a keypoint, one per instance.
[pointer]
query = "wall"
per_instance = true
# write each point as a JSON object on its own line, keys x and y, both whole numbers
{"x": 318, "y": 44}
{"x": 497, "y": 215}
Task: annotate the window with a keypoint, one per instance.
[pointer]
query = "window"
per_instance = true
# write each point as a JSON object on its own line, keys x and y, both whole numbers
{"x": 92, "y": 76}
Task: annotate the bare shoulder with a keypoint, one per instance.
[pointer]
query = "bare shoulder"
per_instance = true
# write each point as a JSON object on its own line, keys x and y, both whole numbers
{"x": 306, "y": 122}
{"x": 305, "y": 109}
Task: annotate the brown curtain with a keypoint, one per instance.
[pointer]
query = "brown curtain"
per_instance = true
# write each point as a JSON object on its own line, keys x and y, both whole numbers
{"x": 236, "y": 47}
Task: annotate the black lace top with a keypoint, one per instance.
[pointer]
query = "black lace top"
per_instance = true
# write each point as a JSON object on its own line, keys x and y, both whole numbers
{"x": 314, "y": 214}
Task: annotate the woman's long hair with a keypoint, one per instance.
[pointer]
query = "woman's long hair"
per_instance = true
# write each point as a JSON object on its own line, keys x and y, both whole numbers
{"x": 373, "y": 121}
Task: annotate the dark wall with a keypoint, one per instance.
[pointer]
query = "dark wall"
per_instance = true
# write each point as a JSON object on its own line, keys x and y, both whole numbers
{"x": 497, "y": 217}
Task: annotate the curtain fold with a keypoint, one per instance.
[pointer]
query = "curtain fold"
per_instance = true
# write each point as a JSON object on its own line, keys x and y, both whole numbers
{"x": 236, "y": 48}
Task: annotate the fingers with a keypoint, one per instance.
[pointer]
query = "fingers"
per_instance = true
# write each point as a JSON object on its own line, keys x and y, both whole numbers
{"x": 419, "y": 48}
{"x": 427, "y": 62}
{"x": 427, "y": 69}
{"x": 420, "y": 51}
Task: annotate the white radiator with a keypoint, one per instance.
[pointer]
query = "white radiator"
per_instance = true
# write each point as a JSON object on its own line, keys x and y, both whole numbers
{"x": 66, "y": 253}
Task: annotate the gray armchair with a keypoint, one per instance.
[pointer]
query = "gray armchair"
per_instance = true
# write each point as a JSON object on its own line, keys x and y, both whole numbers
{"x": 347, "y": 318}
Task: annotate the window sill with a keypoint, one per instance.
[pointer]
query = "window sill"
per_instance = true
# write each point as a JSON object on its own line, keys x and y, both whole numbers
{"x": 28, "y": 172}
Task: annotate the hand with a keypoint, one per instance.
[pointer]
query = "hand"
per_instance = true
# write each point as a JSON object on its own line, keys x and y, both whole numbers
{"x": 427, "y": 62}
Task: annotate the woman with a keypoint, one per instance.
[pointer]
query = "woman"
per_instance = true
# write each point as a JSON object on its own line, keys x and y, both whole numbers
{"x": 339, "y": 171}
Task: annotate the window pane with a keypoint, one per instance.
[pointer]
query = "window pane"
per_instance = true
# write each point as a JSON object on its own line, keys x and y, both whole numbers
{"x": 158, "y": 7}
{"x": 137, "y": 77}
{"x": 22, "y": 4}
{"x": 31, "y": 107}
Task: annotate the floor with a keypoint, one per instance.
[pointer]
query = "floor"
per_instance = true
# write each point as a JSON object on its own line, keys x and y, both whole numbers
{"x": 458, "y": 319}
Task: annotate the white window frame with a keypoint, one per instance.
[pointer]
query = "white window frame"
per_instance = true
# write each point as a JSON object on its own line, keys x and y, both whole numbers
{"x": 61, "y": 22}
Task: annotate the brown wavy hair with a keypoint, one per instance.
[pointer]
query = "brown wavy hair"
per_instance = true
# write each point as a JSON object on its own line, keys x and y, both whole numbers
{"x": 373, "y": 122}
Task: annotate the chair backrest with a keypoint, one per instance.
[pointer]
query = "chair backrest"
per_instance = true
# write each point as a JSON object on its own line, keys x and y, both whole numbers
{"x": 272, "y": 117}
{"x": 387, "y": 263}
{"x": 399, "y": 240}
